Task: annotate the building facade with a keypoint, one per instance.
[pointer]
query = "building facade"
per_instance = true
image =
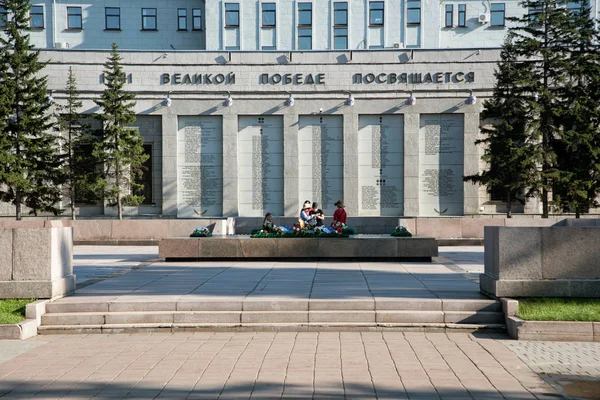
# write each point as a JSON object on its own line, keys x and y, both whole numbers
{"x": 248, "y": 107}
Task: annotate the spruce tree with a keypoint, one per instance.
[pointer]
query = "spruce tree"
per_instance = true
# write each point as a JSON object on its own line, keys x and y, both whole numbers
{"x": 539, "y": 43}
{"x": 578, "y": 148}
{"x": 122, "y": 147}
{"x": 82, "y": 169}
{"x": 506, "y": 151}
{"x": 30, "y": 163}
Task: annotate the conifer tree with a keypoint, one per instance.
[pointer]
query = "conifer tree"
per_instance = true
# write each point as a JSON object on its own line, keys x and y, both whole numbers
{"x": 539, "y": 42}
{"x": 122, "y": 147}
{"x": 507, "y": 151}
{"x": 578, "y": 148}
{"x": 82, "y": 169}
{"x": 30, "y": 163}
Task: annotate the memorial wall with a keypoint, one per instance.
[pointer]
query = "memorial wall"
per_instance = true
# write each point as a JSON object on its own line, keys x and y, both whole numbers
{"x": 441, "y": 160}
{"x": 321, "y": 160}
{"x": 380, "y": 165}
{"x": 260, "y": 165}
{"x": 199, "y": 166}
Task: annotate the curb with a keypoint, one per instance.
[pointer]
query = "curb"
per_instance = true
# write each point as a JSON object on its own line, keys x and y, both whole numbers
{"x": 553, "y": 331}
{"x": 27, "y": 328}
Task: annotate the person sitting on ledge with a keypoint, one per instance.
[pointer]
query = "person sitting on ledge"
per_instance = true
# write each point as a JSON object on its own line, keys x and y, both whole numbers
{"x": 340, "y": 214}
{"x": 268, "y": 222}
{"x": 318, "y": 214}
{"x": 305, "y": 216}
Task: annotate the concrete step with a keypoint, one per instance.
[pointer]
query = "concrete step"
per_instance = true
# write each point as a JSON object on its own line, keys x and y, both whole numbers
{"x": 370, "y": 317}
{"x": 78, "y": 305}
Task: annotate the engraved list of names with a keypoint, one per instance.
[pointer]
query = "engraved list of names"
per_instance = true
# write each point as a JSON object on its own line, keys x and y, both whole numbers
{"x": 380, "y": 165}
{"x": 441, "y": 158}
{"x": 321, "y": 160}
{"x": 260, "y": 165}
{"x": 199, "y": 167}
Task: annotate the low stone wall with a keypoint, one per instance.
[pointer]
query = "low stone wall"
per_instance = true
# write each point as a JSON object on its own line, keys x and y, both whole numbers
{"x": 560, "y": 261}
{"x": 36, "y": 262}
{"x": 244, "y": 247}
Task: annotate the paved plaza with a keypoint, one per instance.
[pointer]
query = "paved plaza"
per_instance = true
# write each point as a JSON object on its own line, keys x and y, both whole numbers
{"x": 286, "y": 365}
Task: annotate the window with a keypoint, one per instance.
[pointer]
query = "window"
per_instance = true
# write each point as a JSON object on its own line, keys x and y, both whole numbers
{"x": 304, "y": 26}
{"x": 340, "y": 14}
{"x": 146, "y": 178}
{"x": 376, "y": 13}
{"x": 534, "y": 11}
{"x": 305, "y": 14}
{"x": 340, "y": 38}
{"x": 37, "y": 17}
{"x": 269, "y": 47}
{"x": 413, "y": 11}
{"x": 3, "y": 17}
{"x": 232, "y": 15}
{"x": 462, "y": 15}
{"x": 497, "y": 14}
{"x": 449, "y": 15}
{"x": 112, "y": 17}
{"x": 197, "y": 19}
{"x": 182, "y": 19}
{"x": 74, "y": 18}
{"x": 149, "y": 19}
{"x": 268, "y": 15}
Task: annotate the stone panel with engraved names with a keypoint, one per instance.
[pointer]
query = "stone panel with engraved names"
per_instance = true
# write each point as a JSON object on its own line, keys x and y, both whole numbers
{"x": 199, "y": 166}
{"x": 380, "y": 165}
{"x": 441, "y": 155}
{"x": 321, "y": 160}
{"x": 260, "y": 165}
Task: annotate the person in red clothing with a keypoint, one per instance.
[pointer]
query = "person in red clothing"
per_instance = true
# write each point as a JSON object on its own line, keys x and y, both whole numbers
{"x": 340, "y": 214}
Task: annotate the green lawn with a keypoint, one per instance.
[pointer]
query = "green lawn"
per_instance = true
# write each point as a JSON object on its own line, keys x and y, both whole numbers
{"x": 558, "y": 309}
{"x": 13, "y": 310}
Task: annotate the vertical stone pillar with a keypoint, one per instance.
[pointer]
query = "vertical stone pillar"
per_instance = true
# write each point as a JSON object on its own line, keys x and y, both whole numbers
{"x": 230, "y": 165}
{"x": 290, "y": 165}
{"x": 351, "y": 161}
{"x": 471, "y": 161}
{"x": 169, "y": 164}
{"x": 411, "y": 164}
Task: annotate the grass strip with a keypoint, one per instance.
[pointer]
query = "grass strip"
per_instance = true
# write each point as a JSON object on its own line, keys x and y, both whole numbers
{"x": 12, "y": 311}
{"x": 559, "y": 309}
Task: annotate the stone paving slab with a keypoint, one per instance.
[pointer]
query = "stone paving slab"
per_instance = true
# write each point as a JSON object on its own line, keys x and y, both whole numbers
{"x": 283, "y": 365}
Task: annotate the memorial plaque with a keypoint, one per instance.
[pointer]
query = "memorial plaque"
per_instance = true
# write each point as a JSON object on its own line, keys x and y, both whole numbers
{"x": 321, "y": 160}
{"x": 260, "y": 165}
{"x": 441, "y": 148}
{"x": 380, "y": 165}
{"x": 199, "y": 167}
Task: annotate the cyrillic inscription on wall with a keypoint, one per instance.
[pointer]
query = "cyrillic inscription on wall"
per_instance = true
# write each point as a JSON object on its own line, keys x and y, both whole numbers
{"x": 441, "y": 148}
{"x": 199, "y": 167}
{"x": 380, "y": 165}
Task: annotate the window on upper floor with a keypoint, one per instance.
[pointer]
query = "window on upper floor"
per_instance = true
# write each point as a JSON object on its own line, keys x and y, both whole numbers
{"x": 149, "y": 19}
{"x": 36, "y": 15}
{"x": 413, "y": 12}
{"x": 269, "y": 17}
{"x": 182, "y": 19}
{"x": 497, "y": 11}
{"x": 376, "y": 13}
{"x": 112, "y": 18}
{"x": 449, "y": 16}
{"x": 340, "y": 13}
{"x": 3, "y": 17}
{"x": 196, "y": 19}
{"x": 74, "y": 20}
{"x": 340, "y": 38}
{"x": 304, "y": 26}
{"x": 305, "y": 14}
{"x": 462, "y": 15}
{"x": 232, "y": 15}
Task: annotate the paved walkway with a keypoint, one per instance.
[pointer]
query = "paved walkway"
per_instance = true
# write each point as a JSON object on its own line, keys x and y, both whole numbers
{"x": 271, "y": 366}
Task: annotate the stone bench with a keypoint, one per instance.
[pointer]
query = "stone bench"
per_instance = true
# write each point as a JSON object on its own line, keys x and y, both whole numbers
{"x": 560, "y": 261}
{"x": 371, "y": 247}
